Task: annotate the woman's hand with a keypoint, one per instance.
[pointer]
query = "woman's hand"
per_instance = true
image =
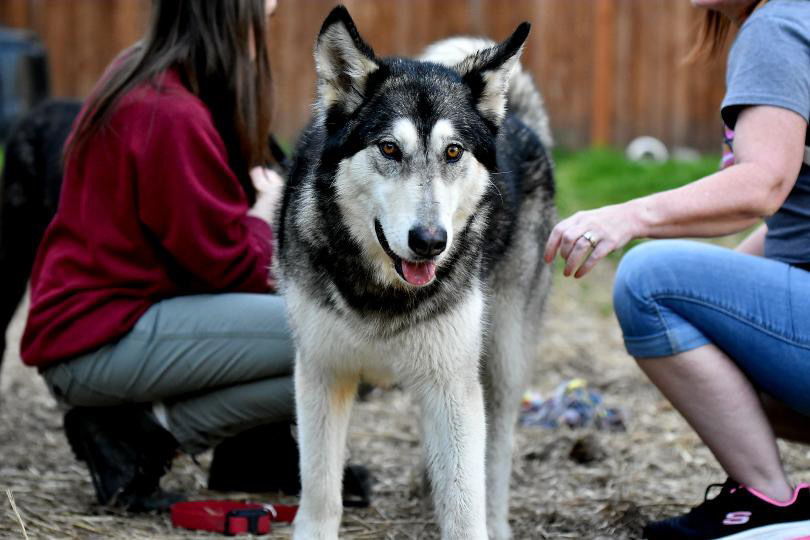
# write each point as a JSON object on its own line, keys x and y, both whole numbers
{"x": 587, "y": 237}
{"x": 269, "y": 189}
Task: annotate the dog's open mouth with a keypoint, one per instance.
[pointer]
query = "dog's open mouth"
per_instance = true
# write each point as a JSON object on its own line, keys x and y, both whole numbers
{"x": 417, "y": 273}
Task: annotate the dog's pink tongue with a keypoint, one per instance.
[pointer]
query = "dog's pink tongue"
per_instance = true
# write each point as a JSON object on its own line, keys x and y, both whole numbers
{"x": 418, "y": 273}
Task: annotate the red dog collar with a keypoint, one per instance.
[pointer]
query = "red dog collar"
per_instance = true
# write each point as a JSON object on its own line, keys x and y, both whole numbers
{"x": 230, "y": 517}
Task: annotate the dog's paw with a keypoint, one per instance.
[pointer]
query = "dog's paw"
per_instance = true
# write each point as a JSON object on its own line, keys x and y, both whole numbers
{"x": 499, "y": 530}
{"x": 312, "y": 530}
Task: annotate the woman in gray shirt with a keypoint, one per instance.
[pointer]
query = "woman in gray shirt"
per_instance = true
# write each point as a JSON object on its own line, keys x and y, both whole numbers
{"x": 725, "y": 334}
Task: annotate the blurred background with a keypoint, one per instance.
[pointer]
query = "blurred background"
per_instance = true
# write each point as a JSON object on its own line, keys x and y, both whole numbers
{"x": 610, "y": 71}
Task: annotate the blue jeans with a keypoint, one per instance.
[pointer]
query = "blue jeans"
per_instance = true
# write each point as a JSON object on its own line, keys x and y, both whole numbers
{"x": 672, "y": 296}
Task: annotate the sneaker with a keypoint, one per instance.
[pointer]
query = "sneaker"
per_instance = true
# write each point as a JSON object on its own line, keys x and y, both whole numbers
{"x": 738, "y": 513}
{"x": 126, "y": 453}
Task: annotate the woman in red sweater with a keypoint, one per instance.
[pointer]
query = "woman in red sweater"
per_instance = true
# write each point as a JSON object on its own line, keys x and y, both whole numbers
{"x": 149, "y": 314}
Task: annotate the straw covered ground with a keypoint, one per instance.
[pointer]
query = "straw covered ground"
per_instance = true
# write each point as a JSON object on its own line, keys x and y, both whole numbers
{"x": 606, "y": 491}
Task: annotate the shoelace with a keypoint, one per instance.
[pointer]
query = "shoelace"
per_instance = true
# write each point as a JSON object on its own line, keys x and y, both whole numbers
{"x": 707, "y": 502}
{"x": 709, "y": 488}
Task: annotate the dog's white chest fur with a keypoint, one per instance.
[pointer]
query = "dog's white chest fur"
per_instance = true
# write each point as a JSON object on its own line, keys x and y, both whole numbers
{"x": 350, "y": 345}
{"x": 437, "y": 360}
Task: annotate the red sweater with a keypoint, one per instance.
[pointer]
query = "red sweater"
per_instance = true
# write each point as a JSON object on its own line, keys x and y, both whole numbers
{"x": 150, "y": 210}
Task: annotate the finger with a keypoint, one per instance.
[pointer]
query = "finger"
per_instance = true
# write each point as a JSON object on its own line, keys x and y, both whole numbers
{"x": 569, "y": 240}
{"x": 274, "y": 178}
{"x": 601, "y": 250}
{"x": 577, "y": 256}
{"x": 257, "y": 176}
{"x": 553, "y": 243}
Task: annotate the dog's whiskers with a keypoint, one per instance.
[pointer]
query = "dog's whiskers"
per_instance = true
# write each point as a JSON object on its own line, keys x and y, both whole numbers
{"x": 497, "y": 189}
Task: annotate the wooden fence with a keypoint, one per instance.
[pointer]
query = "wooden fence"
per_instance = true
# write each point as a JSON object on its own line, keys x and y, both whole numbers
{"x": 610, "y": 70}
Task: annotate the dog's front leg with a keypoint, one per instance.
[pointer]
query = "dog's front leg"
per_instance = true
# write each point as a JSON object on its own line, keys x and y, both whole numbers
{"x": 505, "y": 369}
{"x": 323, "y": 405}
{"x": 455, "y": 433}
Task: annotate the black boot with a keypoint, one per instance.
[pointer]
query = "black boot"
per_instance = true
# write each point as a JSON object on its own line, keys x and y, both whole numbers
{"x": 266, "y": 459}
{"x": 127, "y": 453}
{"x": 261, "y": 459}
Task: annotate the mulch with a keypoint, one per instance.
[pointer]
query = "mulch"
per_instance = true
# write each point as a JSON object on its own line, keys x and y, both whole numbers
{"x": 566, "y": 483}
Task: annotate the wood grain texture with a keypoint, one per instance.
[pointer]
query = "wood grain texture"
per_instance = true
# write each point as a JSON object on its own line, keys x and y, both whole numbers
{"x": 610, "y": 70}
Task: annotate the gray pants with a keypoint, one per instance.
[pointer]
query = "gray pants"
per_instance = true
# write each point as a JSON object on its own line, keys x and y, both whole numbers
{"x": 220, "y": 364}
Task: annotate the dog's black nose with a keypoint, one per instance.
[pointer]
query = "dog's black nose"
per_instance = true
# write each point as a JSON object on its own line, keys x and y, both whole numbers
{"x": 427, "y": 241}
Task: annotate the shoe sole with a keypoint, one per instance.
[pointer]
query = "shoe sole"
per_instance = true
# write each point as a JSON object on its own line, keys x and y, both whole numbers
{"x": 794, "y": 530}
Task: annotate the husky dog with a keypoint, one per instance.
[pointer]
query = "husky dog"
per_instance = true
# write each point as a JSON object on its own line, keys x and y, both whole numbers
{"x": 409, "y": 245}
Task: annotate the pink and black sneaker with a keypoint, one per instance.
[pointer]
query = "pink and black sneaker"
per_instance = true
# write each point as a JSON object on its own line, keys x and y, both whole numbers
{"x": 739, "y": 513}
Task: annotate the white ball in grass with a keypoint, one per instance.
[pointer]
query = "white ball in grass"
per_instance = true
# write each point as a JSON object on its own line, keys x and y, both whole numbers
{"x": 647, "y": 148}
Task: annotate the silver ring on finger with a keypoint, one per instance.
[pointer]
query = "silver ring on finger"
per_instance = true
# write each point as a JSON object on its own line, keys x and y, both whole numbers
{"x": 591, "y": 238}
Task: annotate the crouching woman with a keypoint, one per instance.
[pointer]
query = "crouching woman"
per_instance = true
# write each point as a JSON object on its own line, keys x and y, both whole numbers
{"x": 725, "y": 334}
{"x": 149, "y": 306}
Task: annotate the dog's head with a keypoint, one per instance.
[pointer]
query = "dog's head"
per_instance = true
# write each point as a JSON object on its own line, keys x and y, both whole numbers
{"x": 410, "y": 145}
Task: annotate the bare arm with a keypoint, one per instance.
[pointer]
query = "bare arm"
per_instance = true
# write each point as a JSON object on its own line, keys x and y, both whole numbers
{"x": 768, "y": 152}
{"x": 769, "y": 148}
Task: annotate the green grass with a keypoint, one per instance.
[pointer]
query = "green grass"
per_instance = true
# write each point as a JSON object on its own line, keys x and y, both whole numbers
{"x": 599, "y": 176}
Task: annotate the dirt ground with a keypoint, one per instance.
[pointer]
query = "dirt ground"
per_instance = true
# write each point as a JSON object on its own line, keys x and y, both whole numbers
{"x": 656, "y": 467}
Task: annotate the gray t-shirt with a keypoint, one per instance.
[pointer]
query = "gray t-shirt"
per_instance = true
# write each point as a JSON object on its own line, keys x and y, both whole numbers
{"x": 769, "y": 64}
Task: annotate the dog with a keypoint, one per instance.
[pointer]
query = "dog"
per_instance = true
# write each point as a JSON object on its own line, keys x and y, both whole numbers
{"x": 409, "y": 244}
{"x": 31, "y": 180}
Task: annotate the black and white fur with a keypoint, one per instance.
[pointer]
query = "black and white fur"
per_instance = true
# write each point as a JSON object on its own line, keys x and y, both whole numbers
{"x": 345, "y": 240}
{"x": 29, "y": 193}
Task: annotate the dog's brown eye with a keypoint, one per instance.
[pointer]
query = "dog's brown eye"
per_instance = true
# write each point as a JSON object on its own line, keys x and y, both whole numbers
{"x": 389, "y": 150}
{"x": 453, "y": 152}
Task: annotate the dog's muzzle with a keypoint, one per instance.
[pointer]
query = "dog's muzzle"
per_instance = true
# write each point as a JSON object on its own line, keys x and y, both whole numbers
{"x": 416, "y": 273}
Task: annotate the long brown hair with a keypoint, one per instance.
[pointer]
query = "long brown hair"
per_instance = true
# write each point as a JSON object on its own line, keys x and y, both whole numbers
{"x": 713, "y": 33}
{"x": 209, "y": 43}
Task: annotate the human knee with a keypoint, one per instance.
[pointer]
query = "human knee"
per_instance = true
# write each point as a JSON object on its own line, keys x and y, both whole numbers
{"x": 645, "y": 270}
{"x": 634, "y": 278}
{"x": 653, "y": 265}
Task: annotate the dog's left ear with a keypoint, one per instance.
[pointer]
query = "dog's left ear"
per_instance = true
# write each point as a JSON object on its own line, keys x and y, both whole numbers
{"x": 487, "y": 73}
{"x": 343, "y": 62}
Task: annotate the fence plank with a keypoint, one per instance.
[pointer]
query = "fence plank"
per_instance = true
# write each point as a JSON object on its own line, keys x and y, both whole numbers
{"x": 15, "y": 12}
{"x": 604, "y": 72}
{"x": 609, "y": 70}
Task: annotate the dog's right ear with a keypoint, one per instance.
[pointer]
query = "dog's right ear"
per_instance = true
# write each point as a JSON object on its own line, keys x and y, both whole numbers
{"x": 343, "y": 62}
{"x": 487, "y": 72}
